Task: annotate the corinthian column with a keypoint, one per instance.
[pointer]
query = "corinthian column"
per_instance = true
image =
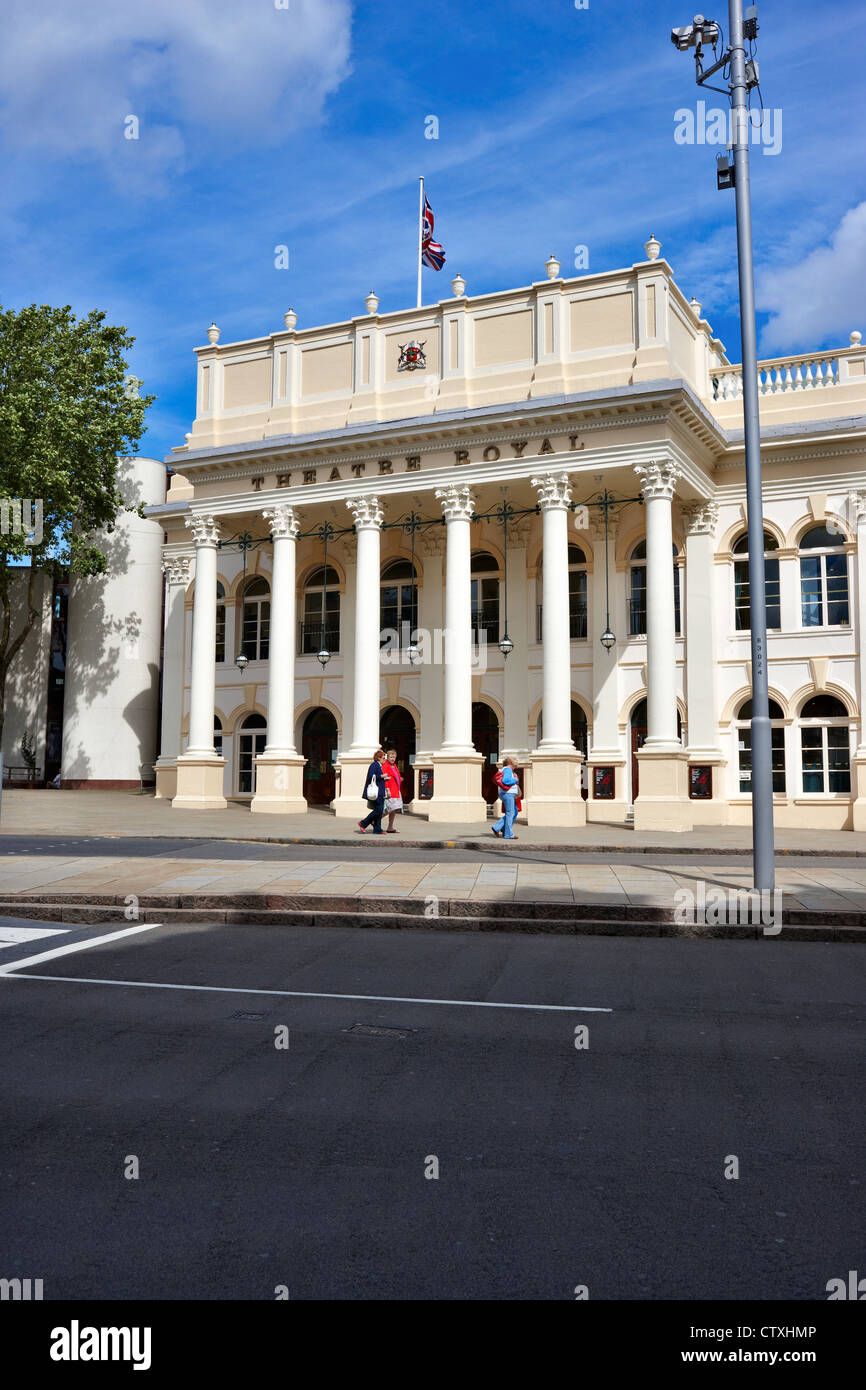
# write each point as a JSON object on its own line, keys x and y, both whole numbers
{"x": 556, "y": 798}
{"x": 368, "y": 517}
{"x": 199, "y": 770}
{"x": 662, "y": 802}
{"x": 279, "y": 769}
{"x": 456, "y": 765}
{"x": 700, "y": 520}
{"x": 176, "y": 571}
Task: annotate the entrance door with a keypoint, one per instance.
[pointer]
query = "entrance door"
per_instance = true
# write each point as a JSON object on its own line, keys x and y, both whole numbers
{"x": 578, "y": 737}
{"x": 638, "y": 726}
{"x": 251, "y": 742}
{"x": 485, "y": 737}
{"x": 397, "y": 730}
{"x": 319, "y": 747}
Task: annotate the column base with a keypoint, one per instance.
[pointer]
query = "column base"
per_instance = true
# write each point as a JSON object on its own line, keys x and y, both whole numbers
{"x": 858, "y": 808}
{"x": 607, "y": 810}
{"x": 663, "y": 793}
{"x": 350, "y": 803}
{"x": 199, "y": 783}
{"x": 165, "y": 771}
{"x": 279, "y": 785}
{"x": 714, "y": 810}
{"x": 457, "y": 788}
{"x": 556, "y": 798}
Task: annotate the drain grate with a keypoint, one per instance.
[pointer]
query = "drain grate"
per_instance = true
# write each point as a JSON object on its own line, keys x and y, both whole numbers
{"x": 248, "y": 1017}
{"x": 375, "y": 1030}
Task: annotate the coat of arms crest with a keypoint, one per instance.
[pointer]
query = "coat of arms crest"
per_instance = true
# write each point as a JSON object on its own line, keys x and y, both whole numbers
{"x": 411, "y": 357}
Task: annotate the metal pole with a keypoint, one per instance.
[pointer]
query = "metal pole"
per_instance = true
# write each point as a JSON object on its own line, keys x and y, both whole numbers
{"x": 762, "y": 766}
{"x": 420, "y": 231}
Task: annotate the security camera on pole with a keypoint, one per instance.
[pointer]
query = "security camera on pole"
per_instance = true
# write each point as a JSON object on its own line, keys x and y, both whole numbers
{"x": 742, "y": 76}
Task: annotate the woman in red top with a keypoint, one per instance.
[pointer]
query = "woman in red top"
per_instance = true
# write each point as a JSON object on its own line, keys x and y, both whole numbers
{"x": 393, "y": 788}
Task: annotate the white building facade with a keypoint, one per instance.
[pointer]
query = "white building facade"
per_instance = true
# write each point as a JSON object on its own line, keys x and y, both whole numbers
{"x": 365, "y": 545}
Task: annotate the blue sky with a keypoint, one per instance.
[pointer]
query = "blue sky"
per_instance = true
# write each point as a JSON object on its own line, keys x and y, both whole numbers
{"x": 305, "y": 126}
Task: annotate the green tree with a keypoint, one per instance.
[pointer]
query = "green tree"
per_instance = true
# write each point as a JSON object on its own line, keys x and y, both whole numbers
{"x": 66, "y": 415}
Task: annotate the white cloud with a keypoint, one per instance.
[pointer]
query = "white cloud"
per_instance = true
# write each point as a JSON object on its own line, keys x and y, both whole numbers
{"x": 822, "y": 298}
{"x": 203, "y": 76}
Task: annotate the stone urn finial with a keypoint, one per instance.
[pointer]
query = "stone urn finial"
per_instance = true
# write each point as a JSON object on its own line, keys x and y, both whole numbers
{"x": 652, "y": 248}
{"x": 856, "y": 338}
{"x": 458, "y": 286}
{"x": 552, "y": 266}
{"x": 213, "y": 334}
{"x": 372, "y": 303}
{"x": 696, "y": 306}
{"x": 290, "y": 319}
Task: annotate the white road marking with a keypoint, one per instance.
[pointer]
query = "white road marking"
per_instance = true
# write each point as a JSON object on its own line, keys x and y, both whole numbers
{"x": 14, "y": 936}
{"x": 11, "y": 972}
{"x": 74, "y": 946}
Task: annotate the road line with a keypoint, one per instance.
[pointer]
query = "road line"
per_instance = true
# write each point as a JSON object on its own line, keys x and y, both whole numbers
{"x": 11, "y": 972}
{"x": 15, "y": 965}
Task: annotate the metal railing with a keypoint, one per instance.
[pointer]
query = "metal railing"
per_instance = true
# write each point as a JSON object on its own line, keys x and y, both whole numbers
{"x": 310, "y": 637}
{"x": 577, "y": 627}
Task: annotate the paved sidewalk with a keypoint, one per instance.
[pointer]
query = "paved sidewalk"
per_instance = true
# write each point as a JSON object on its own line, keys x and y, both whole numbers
{"x": 133, "y": 815}
{"x": 818, "y": 889}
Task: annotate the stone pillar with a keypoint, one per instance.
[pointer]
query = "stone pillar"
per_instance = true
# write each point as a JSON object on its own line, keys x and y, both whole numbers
{"x": 431, "y": 621}
{"x": 858, "y": 780}
{"x": 280, "y": 769}
{"x": 199, "y": 770}
{"x": 515, "y": 737}
{"x": 368, "y": 518}
{"x": 456, "y": 764}
{"x": 176, "y": 571}
{"x": 662, "y": 802}
{"x": 607, "y": 748}
{"x": 556, "y": 798}
{"x": 704, "y": 748}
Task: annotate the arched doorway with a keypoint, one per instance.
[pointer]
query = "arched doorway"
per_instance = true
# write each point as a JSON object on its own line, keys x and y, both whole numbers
{"x": 579, "y": 737}
{"x": 485, "y": 737}
{"x": 319, "y": 747}
{"x": 251, "y": 742}
{"x": 638, "y": 727}
{"x": 397, "y": 730}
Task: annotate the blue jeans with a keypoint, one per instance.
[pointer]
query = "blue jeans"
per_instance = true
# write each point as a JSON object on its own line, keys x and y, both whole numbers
{"x": 375, "y": 817}
{"x": 506, "y": 822}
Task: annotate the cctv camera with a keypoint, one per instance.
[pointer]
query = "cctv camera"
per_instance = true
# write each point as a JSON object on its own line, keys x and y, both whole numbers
{"x": 683, "y": 38}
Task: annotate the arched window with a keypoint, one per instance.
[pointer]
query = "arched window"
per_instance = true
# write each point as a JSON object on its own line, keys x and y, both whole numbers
{"x": 825, "y": 740}
{"x": 742, "y": 604}
{"x": 743, "y": 734}
{"x": 321, "y": 590}
{"x": 637, "y": 592}
{"x": 823, "y": 579}
{"x": 398, "y": 604}
{"x": 576, "y": 596}
{"x": 220, "y": 623}
{"x": 251, "y": 742}
{"x": 256, "y": 620}
{"x": 485, "y": 595}
{"x": 218, "y": 736}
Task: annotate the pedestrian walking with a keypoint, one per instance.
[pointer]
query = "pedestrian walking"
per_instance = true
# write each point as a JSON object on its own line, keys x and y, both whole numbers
{"x": 374, "y": 792}
{"x": 509, "y": 793}
{"x": 394, "y": 789}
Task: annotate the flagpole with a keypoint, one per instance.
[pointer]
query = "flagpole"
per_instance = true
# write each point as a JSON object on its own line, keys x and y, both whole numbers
{"x": 420, "y": 232}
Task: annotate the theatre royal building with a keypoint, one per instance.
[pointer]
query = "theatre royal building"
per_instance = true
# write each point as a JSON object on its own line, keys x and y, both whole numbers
{"x": 514, "y": 524}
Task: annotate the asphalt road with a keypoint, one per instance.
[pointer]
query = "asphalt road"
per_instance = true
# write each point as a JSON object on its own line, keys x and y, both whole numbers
{"x": 370, "y": 848}
{"x": 558, "y": 1166}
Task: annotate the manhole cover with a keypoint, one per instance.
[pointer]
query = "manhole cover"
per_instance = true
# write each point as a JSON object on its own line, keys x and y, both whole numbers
{"x": 375, "y": 1030}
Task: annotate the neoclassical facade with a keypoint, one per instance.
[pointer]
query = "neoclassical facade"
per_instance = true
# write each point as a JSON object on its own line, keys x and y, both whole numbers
{"x": 526, "y": 539}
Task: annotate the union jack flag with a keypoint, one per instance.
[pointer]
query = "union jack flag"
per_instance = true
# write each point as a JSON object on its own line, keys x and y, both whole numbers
{"x": 431, "y": 252}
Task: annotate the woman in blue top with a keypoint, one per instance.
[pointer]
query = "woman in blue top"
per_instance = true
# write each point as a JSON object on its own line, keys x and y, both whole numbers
{"x": 375, "y": 773}
{"x": 509, "y": 790}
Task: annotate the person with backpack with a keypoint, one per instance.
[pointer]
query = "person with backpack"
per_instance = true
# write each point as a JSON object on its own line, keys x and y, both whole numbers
{"x": 374, "y": 793}
{"x": 509, "y": 794}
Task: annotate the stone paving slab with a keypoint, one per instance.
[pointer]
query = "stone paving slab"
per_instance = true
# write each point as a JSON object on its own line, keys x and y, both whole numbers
{"x": 133, "y": 814}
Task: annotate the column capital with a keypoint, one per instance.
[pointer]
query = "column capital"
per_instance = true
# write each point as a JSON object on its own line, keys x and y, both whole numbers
{"x": 366, "y": 513}
{"x": 657, "y": 479}
{"x": 283, "y": 522}
{"x": 176, "y": 569}
{"x": 858, "y": 506}
{"x": 431, "y": 542}
{"x": 700, "y": 518}
{"x": 554, "y": 490}
{"x": 205, "y": 531}
{"x": 597, "y": 526}
{"x": 458, "y": 504}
